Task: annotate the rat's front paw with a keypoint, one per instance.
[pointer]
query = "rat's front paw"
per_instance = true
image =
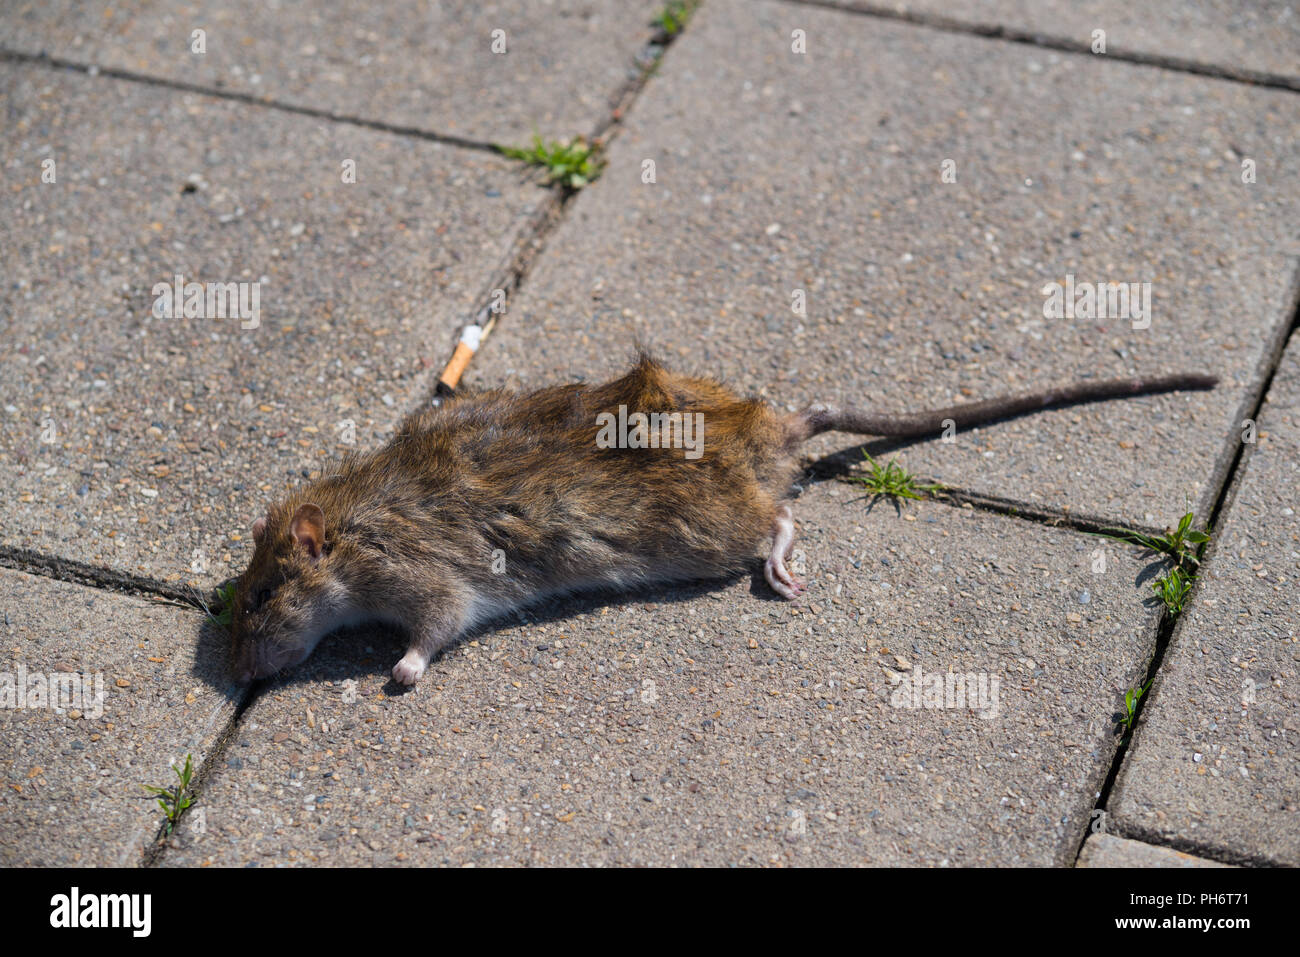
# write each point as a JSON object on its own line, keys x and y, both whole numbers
{"x": 410, "y": 669}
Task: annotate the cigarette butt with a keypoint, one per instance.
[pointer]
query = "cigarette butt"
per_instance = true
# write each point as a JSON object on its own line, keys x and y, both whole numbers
{"x": 470, "y": 339}
{"x": 456, "y": 367}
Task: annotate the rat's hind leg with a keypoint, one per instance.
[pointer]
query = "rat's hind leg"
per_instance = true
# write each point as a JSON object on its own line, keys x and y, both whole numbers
{"x": 778, "y": 576}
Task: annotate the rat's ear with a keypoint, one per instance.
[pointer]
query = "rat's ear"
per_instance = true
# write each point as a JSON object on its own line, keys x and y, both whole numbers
{"x": 259, "y": 529}
{"x": 308, "y": 528}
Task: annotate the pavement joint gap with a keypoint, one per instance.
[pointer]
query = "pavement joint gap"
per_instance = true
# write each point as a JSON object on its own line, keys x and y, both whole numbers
{"x": 1209, "y": 852}
{"x": 1169, "y": 624}
{"x": 993, "y": 31}
{"x": 510, "y": 277}
{"x": 957, "y": 497}
{"x": 32, "y": 562}
{"x": 205, "y": 772}
{"x": 130, "y": 76}
{"x": 622, "y": 99}
{"x": 1039, "y": 515}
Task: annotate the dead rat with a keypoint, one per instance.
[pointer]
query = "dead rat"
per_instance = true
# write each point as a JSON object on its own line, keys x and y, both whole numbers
{"x": 497, "y": 500}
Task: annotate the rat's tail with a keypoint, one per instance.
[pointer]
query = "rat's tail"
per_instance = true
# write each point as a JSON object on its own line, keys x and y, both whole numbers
{"x": 823, "y": 418}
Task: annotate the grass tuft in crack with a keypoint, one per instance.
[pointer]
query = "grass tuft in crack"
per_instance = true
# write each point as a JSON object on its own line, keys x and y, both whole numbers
{"x": 1182, "y": 545}
{"x": 1173, "y": 589}
{"x": 226, "y": 593}
{"x": 1178, "y": 544}
{"x": 573, "y": 164}
{"x": 175, "y": 800}
{"x": 672, "y": 19}
{"x": 1131, "y": 699}
{"x": 891, "y": 480}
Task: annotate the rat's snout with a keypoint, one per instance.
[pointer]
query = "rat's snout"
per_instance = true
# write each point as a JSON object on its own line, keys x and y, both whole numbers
{"x": 242, "y": 663}
{"x": 261, "y": 659}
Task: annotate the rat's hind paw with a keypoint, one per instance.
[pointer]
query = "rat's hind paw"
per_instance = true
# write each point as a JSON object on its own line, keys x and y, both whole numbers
{"x": 410, "y": 669}
{"x": 778, "y": 576}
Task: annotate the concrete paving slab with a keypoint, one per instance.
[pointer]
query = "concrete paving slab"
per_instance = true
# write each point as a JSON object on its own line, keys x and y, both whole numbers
{"x": 1215, "y": 757}
{"x": 407, "y": 63}
{"x": 99, "y": 694}
{"x": 1106, "y": 850}
{"x": 918, "y": 292}
{"x": 1257, "y": 38}
{"x": 147, "y": 445}
{"x": 717, "y": 725}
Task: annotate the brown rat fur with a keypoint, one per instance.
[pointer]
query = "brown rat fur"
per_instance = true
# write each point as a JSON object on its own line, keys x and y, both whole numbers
{"x": 498, "y": 499}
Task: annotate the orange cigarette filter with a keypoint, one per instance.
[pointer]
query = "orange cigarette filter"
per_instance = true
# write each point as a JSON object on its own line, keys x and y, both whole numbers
{"x": 456, "y": 367}
{"x": 465, "y": 349}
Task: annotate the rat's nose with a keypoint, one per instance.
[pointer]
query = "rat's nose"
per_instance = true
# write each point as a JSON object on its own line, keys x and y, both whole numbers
{"x": 244, "y": 666}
